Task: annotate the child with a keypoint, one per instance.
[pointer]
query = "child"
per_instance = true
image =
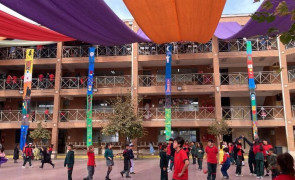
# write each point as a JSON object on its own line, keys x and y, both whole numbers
{"x": 239, "y": 159}
{"x": 259, "y": 158}
{"x": 131, "y": 159}
{"x": 231, "y": 152}
{"x": 164, "y": 163}
{"x": 286, "y": 167}
{"x": 108, "y": 154}
{"x": 194, "y": 152}
{"x": 272, "y": 163}
{"x": 2, "y": 157}
{"x": 181, "y": 161}
{"x": 200, "y": 155}
{"x": 211, "y": 152}
{"x": 91, "y": 163}
{"x": 70, "y": 160}
{"x": 152, "y": 150}
{"x": 45, "y": 157}
{"x": 36, "y": 153}
{"x": 27, "y": 156}
{"x": 225, "y": 163}
{"x": 126, "y": 155}
{"x": 16, "y": 153}
{"x": 172, "y": 153}
{"x": 186, "y": 148}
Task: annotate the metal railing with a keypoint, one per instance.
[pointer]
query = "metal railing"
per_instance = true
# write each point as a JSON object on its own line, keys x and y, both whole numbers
{"x": 177, "y": 48}
{"x": 19, "y": 84}
{"x": 291, "y": 75}
{"x": 16, "y": 116}
{"x": 244, "y": 113}
{"x": 177, "y": 79}
{"x": 80, "y": 114}
{"x": 98, "y": 82}
{"x": 290, "y": 45}
{"x": 20, "y": 53}
{"x": 158, "y": 114}
{"x": 237, "y": 45}
{"x": 263, "y": 77}
{"x": 83, "y": 51}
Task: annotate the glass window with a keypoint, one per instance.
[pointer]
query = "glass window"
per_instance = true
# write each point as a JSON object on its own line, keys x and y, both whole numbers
{"x": 113, "y": 138}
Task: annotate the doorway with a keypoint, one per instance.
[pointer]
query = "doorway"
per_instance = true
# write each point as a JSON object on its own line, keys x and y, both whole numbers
{"x": 61, "y": 141}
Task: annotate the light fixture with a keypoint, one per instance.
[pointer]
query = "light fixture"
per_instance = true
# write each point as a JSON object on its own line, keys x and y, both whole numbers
{"x": 95, "y": 90}
{"x": 21, "y": 91}
{"x": 217, "y": 89}
{"x": 179, "y": 88}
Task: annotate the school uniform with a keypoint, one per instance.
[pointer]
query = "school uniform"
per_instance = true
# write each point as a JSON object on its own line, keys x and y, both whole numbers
{"x": 179, "y": 160}
{"x": 164, "y": 164}
{"x": 225, "y": 164}
{"x": 69, "y": 161}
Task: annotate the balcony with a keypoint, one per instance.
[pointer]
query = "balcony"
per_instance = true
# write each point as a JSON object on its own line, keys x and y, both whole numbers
{"x": 98, "y": 82}
{"x": 80, "y": 114}
{"x": 158, "y": 114}
{"x": 244, "y": 113}
{"x": 178, "y": 48}
{"x": 263, "y": 77}
{"x": 16, "y": 116}
{"x": 19, "y": 84}
{"x": 290, "y": 45}
{"x": 20, "y": 53}
{"x": 238, "y": 45}
{"x": 177, "y": 79}
{"x": 291, "y": 75}
{"x": 83, "y": 51}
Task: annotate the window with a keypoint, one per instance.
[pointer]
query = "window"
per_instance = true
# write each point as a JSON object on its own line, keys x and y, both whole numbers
{"x": 112, "y": 139}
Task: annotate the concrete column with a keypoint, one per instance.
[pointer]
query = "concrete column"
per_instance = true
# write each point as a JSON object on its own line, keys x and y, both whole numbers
{"x": 286, "y": 98}
{"x": 217, "y": 93}
{"x": 56, "y": 104}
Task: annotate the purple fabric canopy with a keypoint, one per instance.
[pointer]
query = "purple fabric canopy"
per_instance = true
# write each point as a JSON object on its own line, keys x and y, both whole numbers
{"x": 232, "y": 30}
{"x": 91, "y": 21}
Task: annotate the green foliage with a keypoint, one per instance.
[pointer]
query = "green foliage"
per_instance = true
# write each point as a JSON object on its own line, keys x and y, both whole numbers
{"x": 40, "y": 133}
{"x": 281, "y": 9}
{"x": 219, "y": 129}
{"x": 125, "y": 120}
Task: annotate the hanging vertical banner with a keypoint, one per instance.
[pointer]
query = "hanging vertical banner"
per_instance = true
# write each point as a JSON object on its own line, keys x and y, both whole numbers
{"x": 90, "y": 95}
{"x": 168, "y": 92}
{"x": 26, "y": 106}
{"x": 252, "y": 86}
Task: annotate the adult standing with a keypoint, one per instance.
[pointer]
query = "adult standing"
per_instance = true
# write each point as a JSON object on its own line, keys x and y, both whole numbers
{"x": 211, "y": 152}
{"x": 194, "y": 152}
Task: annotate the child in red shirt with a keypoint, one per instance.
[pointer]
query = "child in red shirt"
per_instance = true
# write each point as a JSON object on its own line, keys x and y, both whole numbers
{"x": 239, "y": 160}
{"x": 286, "y": 167}
{"x": 91, "y": 162}
{"x": 181, "y": 161}
{"x": 211, "y": 152}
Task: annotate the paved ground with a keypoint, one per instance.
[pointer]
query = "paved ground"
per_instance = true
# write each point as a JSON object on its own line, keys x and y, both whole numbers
{"x": 146, "y": 169}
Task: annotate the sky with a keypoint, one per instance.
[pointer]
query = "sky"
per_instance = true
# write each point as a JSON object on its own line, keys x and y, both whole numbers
{"x": 118, "y": 6}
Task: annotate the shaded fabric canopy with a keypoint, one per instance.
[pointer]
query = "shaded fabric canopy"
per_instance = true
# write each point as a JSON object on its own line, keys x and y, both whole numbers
{"x": 9, "y": 43}
{"x": 232, "y": 30}
{"x": 12, "y": 27}
{"x": 177, "y": 20}
{"x": 90, "y": 21}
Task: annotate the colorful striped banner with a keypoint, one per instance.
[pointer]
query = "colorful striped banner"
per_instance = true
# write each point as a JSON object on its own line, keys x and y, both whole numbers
{"x": 90, "y": 95}
{"x": 168, "y": 92}
{"x": 252, "y": 87}
{"x": 26, "y": 106}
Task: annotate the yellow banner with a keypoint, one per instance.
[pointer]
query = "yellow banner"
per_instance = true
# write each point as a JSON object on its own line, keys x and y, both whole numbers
{"x": 28, "y": 73}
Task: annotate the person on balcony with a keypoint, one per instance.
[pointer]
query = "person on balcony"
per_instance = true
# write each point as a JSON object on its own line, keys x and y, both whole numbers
{"x": 41, "y": 78}
{"x": 8, "y": 81}
{"x": 47, "y": 80}
{"x": 14, "y": 81}
{"x": 51, "y": 79}
{"x": 46, "y": 113}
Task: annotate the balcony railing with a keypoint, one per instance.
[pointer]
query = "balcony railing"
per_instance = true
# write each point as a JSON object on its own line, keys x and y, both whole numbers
{"x": 290, "y": 45}
{"x": 80, "y": 114}
{"x": 16, "y": 116}
{"x": 244, "y": 113}
{"x": 237, "y": 45}
{"x": 178, "y": 48}
{"x": 83, "y": 51}
{"x": 158, "y": 114}
{"x": 291, "y": 74}
{"x": 20, "y": 53}
{"x": 98, "y": 82}
{"x": 19, "y": 84}
{"x": 263, "y": 77}
{"x": 177, "y": 79}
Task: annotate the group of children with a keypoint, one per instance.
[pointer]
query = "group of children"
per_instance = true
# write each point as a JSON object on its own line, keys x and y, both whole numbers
{"x": 261, "y": 155}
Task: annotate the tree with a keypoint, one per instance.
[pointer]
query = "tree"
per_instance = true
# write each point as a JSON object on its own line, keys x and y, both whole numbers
{"x": 40, "y": 133}
{"x": 125, "y": 120}
{"x": 282, "y": 9}
{"x": 219, "y": 129}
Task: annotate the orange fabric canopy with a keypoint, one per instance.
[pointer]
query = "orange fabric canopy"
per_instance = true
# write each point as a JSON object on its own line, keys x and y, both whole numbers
{"x": 177, "y": 20}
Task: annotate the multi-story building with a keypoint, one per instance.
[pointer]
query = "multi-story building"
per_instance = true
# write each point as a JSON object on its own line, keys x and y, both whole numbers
{"x": 209, "y": 82}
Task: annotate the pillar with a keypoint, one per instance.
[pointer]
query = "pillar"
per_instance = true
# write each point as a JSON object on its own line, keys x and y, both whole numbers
{"x": 217, "y": 93}
{"x": 56, "y": 103}
{"x": 286, "y": 99}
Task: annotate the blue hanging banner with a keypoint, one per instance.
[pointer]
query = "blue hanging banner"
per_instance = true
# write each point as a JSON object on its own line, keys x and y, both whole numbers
{"x": 90, "y": 95}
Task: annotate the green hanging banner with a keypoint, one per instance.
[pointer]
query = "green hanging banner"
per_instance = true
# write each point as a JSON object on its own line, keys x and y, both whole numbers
{"x": 168, "y": 92}
{"x": 90, "y": 96}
